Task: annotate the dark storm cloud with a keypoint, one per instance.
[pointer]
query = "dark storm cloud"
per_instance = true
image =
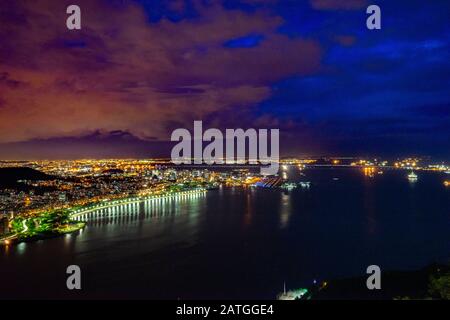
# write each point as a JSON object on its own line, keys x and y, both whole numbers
{"x": 440, "y": 111}
{"x": 143, "y": 68}
{"x": 7, "y": 81}
{"x": 124, "y": 72}
{"x": 338, "y": 4}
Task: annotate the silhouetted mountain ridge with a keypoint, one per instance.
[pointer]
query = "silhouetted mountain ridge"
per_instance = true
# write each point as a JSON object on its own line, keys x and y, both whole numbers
{"x": 10, "y": 176}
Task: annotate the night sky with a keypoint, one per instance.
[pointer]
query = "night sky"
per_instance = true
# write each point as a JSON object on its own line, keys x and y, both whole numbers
{"x": 139, "y": 69}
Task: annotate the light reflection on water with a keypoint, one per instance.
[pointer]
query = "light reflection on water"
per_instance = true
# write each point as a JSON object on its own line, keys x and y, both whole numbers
{"x": 235, "y": 243}
{"x": 285, "y": 209}
{"x": 21, "y": 248}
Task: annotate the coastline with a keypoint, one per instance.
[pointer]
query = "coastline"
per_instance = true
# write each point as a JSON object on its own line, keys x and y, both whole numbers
{"x": 48, "y": 235}
{"x": 74, "y": 215}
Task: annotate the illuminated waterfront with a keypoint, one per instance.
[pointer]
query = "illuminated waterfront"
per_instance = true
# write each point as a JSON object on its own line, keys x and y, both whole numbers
{"x": 244, "y": 243}
{"x": 33, "y": 228}
{"x": 130, "y": 205}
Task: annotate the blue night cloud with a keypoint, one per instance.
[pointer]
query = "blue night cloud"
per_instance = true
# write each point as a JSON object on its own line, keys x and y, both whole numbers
{"x": 248, "y": 41}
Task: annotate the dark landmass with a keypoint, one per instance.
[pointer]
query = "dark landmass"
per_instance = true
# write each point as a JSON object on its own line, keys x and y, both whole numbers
{"x": 9, "y": 177}
{"x": 23, "y": 173}
{"x": 418, "y": 284}
{"x": 44, "y": 235}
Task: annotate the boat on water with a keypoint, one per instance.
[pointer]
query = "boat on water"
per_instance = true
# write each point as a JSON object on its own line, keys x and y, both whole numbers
{"x": 296, "y": 294}
{"x": 305, "y": 184}
{"x": 412, "y": 177}
{"x": 292, "y": 185}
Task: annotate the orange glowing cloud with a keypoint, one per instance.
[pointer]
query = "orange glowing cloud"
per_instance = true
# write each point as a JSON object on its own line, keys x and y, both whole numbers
{"x": 121, "y": 72}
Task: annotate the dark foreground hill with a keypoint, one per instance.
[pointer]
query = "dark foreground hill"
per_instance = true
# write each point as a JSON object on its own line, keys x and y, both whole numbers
{"x": 432, "y": 281}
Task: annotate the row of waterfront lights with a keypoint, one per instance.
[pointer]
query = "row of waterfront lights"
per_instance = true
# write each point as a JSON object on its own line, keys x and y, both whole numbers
{"x": 135, "y": 199}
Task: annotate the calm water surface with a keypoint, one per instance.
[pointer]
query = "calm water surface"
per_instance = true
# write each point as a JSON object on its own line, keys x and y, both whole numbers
{"x": 243, "y": 243}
